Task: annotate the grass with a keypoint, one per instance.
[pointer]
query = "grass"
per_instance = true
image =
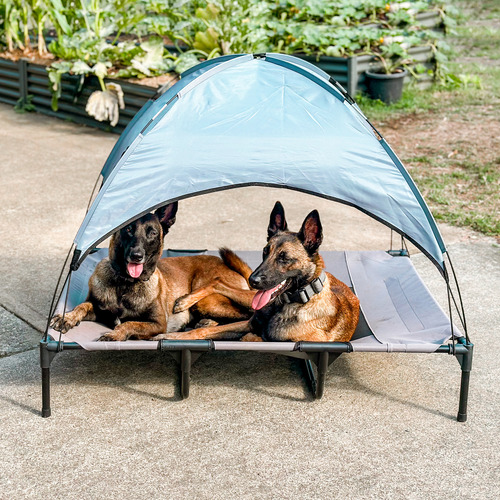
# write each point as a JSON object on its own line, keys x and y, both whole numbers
{"x": 466, "y": 195}
{"x": 458, "y": 172}
{"x": 413, "y": 100}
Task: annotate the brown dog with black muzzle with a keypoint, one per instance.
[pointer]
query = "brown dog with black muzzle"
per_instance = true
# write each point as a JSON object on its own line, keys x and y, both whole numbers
{"x": 295, "y": 299}
{"x": 133, "y": 291}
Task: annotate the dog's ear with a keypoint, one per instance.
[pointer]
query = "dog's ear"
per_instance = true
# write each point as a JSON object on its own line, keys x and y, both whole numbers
{"x": 311, "y": 233}
{"x": 277, "y": 221}
{"x": 166, "y": 216}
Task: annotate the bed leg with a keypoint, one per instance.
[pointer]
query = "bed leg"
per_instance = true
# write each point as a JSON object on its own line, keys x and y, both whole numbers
{"x": 46, "y": 358}
{"x": 465, "y": 361}
{"x": 185, "y": 372}
{"x": 322, "y": 369}
{"x": 322, "y": 360}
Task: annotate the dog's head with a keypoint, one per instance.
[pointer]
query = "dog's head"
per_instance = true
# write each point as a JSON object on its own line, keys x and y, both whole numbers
{"x": 135, "y": 249}
{"x": 289, "y": 259}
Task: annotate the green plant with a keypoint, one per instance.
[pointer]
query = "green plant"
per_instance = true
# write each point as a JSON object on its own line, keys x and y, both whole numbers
{"x": 393, "y": 55}
{"x": 11, "y": 15}
{"x": 222, "y": 27}
{"x": 24, "y": 105}
{"x": 125, "y": 38}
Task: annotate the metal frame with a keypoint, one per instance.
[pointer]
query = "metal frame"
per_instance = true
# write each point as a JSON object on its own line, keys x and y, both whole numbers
{"x": 317, "y": 356}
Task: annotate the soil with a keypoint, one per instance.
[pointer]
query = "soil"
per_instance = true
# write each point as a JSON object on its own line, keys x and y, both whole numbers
{"x": 454, "y": 159}
{"x": 30, "y": 55}
{"x": 156, "y": 81}
{"x": 450, "y": 139}
{"x": 34, "y": 57}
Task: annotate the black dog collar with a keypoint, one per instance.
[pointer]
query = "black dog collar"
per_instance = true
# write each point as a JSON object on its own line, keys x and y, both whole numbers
{"x": 304, "y": 294}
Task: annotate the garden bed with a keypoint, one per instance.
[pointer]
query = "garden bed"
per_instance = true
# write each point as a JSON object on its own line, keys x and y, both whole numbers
{"x": 21, "y": 79}
{"x": 350, "y": 71}
{"x": 85, "y": 46}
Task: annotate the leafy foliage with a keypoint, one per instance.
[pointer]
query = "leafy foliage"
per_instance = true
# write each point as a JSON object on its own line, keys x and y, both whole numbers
{"x": 144, "y": 38}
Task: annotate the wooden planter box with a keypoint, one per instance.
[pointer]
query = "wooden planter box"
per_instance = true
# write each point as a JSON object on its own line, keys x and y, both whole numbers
{"x": 21, "y": 79}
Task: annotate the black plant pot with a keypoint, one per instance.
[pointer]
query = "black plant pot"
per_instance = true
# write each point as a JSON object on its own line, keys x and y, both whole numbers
{"x": 387, "y": 88}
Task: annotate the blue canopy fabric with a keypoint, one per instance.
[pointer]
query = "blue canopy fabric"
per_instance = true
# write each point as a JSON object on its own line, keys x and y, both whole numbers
{"x": 142, "y": 117}
{"x": 269, "y": 120}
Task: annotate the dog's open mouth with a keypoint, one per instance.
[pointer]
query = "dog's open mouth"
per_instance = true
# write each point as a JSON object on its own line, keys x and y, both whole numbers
{"x": 134, "y": 269}
{"x": 263, "y": 297}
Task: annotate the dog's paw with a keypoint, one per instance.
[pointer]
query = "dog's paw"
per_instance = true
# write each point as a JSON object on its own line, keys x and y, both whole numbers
{"x": 174, "y": 336}
{"x": 251, "y": 337}
{"x": 206, "y": 322}
{"x": 111, "y": 336}
{"x": 181, "y": 304}
{"x": 162, "y": 336}
{"x": 64, "y": 323}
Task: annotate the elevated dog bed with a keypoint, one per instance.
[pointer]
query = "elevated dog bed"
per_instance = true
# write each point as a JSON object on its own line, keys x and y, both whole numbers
{"x": 399, "y": 313}
{"x": 271, "y": 120}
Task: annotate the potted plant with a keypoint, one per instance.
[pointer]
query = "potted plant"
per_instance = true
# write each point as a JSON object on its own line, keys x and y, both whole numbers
{"x": 385, "y": 81}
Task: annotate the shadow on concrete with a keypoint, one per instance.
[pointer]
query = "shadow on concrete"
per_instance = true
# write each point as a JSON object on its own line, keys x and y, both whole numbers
{"x": 269, "y": 375}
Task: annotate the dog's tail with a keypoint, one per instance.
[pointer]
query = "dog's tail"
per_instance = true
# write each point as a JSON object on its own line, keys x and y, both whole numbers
{"x": 235, "y": 263}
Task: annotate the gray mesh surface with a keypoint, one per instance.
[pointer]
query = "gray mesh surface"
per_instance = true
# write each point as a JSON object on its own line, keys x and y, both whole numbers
{"x": 398, "y": 313}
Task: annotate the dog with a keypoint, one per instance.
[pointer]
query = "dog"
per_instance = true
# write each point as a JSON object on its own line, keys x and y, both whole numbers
{"x": 295, "y": 299}
{"x": 133, "y": 291}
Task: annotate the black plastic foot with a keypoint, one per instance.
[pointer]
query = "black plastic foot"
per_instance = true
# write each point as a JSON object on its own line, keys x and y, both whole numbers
{"x": 464, "y": 396}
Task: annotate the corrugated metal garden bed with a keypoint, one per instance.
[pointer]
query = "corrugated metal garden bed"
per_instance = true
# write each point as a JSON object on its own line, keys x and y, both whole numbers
{"x": 20, "y": 79}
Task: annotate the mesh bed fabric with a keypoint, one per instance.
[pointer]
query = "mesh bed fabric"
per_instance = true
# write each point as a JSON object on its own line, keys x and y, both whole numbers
{"x": 398, "y": 312}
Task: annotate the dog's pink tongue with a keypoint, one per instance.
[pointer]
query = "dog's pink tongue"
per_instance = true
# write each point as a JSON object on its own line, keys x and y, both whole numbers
{"x": 262, "y": 297}
{"x": 135, "y": 270}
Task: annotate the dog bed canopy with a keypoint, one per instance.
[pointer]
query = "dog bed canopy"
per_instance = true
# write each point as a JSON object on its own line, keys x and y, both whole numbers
{"x": 270, "y": 120}
{"x": 247, "y": 120}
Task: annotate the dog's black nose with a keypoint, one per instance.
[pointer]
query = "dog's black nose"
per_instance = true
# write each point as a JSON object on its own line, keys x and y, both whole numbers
{"x": 254, "y": 281}
{"x": 136, "y": 255}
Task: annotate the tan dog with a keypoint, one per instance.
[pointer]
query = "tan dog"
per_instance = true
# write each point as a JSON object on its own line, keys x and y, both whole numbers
{"x": 134, "y": 291}
{"x": 296, "y": 299}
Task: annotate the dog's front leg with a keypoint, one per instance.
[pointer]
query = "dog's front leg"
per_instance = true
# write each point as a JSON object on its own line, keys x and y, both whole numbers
{"x": 231, "y": 331}
{"x": 64, "y": 322}
{"x": 139, "y": 330}
{"x": 237, "y": 295}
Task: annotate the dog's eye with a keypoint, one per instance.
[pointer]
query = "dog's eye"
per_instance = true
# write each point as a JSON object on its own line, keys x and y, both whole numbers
{"x": 129, "y": 229}
{"x": 283, "y": 258}
{"x": 152, "y": 233}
